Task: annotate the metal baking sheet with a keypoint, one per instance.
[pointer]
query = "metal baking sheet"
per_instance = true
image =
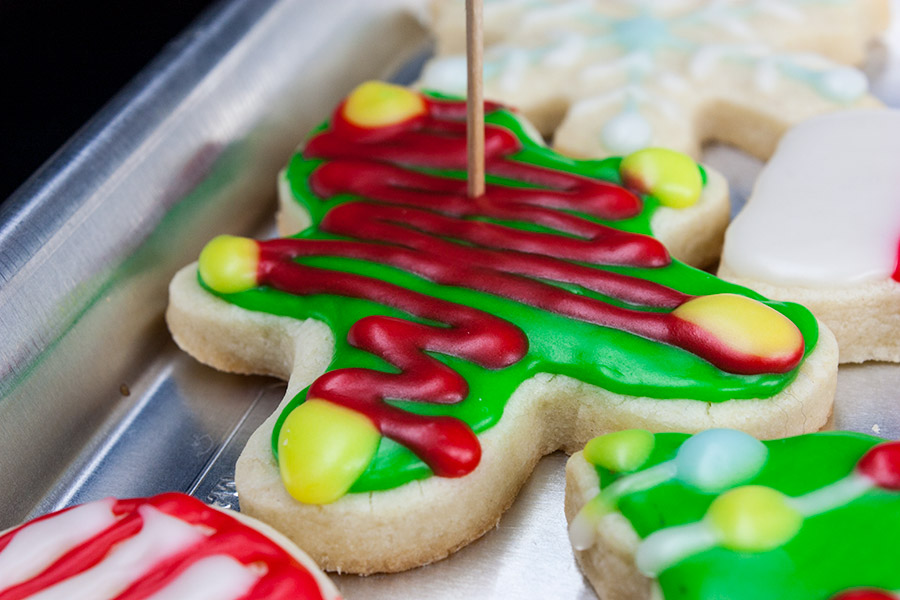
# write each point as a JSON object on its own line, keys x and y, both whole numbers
{"x": 96, "y": 400}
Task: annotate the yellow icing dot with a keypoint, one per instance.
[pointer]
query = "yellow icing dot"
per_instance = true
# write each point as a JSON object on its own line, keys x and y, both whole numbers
{"x": 323, "y": 448}
{"x": 743, "y": 324}
{"x": 622, "y": 451}
{"x": 671, "y": 177}
{"x": 228, "y": 264}
{"x": 753, "y": 518}
{"x": 377, "y": 104}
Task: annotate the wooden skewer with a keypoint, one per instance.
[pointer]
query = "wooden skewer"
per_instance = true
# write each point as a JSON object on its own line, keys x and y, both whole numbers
{"x": 474, "y": 98}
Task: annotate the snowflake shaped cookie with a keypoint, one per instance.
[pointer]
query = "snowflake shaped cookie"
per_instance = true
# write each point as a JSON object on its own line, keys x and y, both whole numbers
{"x": 612, "y": 76}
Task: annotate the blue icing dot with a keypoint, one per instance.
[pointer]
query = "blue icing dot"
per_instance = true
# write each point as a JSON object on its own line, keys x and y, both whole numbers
{"x": 719, "y": 459}
{"x": 641, "y": 33}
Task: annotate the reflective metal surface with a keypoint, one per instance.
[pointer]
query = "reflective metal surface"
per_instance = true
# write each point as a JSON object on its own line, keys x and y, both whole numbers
{"x": 96, "y": 400}
{"x": 91, "y": 397}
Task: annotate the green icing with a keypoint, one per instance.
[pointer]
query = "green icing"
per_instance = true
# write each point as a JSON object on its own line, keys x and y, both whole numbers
{"x": 611, "y": 359}
{"x": 851, "y": 546}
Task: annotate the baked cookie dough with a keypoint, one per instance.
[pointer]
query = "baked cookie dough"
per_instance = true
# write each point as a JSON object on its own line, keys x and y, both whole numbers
{"x": 822, "y": 228}
{"x": 723, "y": 515}
{"x": 609, "y": 77}
{"x": 436, "y": 346}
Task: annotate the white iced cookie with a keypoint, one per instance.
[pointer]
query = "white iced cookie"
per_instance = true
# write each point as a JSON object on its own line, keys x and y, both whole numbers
{"x": 823, "y": 228}
{"x": 610, "y": 77}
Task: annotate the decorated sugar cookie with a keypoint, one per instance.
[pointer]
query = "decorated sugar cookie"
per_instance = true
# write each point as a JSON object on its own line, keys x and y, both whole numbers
{"x": 723, "y": 515}
{"x": 822, "y": 227}
{"x": 436, "y": 346}
{"x": 166, "y": 547}
{"x": 609, "y": 77}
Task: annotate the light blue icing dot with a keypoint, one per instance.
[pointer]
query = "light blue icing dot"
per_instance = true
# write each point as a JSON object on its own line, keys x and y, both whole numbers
{"x": 627, "y": 132}
{"x": 641, "y": 33}
{"x": 842, "y": 84}
{"x": 718, "y": 459}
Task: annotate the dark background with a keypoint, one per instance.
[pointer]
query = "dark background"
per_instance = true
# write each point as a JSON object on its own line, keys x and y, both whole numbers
{"x": 62, "y": 61}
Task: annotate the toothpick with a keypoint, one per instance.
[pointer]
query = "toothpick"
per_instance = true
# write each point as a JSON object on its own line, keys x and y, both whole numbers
{"x": 475, "y": 98}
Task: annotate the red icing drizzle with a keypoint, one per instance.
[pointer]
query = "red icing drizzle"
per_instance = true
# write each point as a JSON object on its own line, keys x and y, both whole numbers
{"x": 423, "y": 224}
{"x": 865, "y": 594}
{"x": 284, "y": 578}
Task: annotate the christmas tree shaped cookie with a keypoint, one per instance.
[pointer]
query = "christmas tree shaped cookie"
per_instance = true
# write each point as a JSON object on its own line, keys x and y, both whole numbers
{"x": 436, "y": 346}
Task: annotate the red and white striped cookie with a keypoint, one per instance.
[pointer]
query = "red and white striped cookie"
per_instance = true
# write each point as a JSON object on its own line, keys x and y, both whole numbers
{"x": 168, "y": 547}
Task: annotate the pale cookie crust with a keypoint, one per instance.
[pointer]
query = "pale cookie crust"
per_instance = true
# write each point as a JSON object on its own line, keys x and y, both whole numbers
{"x": 692, "y": 235}
{"x": 801, "y": 237}
{"x": 424, "y": 521}
{"x": 609, "y": 564}
{"x": 865, "y": 318}
{"x": 604, "y": 78}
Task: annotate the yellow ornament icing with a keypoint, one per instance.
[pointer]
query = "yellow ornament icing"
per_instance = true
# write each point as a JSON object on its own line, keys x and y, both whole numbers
{"x": 622, "y": 451}
{"x": 753, "y": 518}
{"x": 323, "y": 448}
{"x": 377, "y": 104}
{"x": 671, "y": 177}
{"x": 743, "y": 324}
{"x": 228, "y": 264}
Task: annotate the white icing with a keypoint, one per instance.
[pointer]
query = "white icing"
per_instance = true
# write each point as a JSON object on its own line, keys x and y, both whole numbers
{"x": 842, "y": 84}
{"x": 653, "y": 50}
{"x": 735, "y": 25}
{"x": 633, "y": 63}
{"x": 666, "y": 107}
{"x": 583, "y": 531}
{"x": 780, "y": 10}
{"x": 705, "y": 61}
{"x": 38, "y": 545}
{"x": 539, "y": 17}
{"x": 669, "y": 546}
{"x": 217, "y": 577}
{"x": 673, "y": 83}
{"x": 515, "y": 66}
{"x": 710, "y": 57}
{"x": 588, "y": 108}
{"x": 627, "y": 132}
{"x": 643, "y": 480}
{"x": 766, "y": 77}
{"x": 830, "y": 497}
{"x": 825, "y": 211}
{"x": 447, "y": 74}
{"x": 160, "y": 537}
{"x": 811, "y": 61}
{"x": 566, "y": 52}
